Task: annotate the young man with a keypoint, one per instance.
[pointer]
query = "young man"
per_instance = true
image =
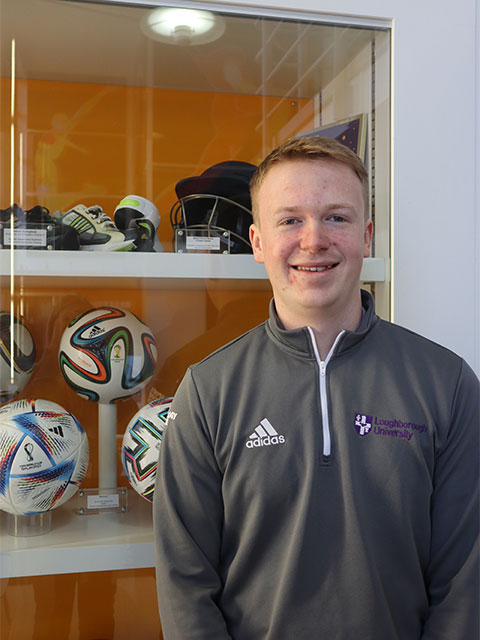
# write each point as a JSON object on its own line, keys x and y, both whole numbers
{"x": 318, "y": 477}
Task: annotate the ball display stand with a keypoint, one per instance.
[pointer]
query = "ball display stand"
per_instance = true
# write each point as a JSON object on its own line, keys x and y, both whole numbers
{"x": 107, "y": 446}
{"x": 108, "y": 497}
{"x": 34, "y": 524}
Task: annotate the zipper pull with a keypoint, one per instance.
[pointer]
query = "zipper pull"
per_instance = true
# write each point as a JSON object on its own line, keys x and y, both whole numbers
{"x": 323, "y": 368}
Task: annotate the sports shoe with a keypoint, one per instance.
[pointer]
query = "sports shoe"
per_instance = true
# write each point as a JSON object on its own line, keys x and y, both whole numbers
{"x": 14, "y": 211}
{"x": 136, "y": 212}
{"x": 96, "y": 231}
{"x": 38, "y": 217}
{"x": 62, "y": 237}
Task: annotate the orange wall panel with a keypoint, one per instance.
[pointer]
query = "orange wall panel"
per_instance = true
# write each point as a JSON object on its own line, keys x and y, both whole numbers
{"x": 113, "y": 605}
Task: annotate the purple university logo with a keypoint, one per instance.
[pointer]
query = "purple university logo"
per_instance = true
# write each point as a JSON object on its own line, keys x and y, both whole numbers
{"x": 363, "y": 424}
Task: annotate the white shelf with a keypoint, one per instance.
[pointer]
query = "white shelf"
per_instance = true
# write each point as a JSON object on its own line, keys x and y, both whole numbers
{"x": 161, "y": 270}
{"x": 100, "y": 264}
{"x": 101, "y": 542}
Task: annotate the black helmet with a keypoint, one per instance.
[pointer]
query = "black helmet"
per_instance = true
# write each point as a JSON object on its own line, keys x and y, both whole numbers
{"x": 218, "y": 200}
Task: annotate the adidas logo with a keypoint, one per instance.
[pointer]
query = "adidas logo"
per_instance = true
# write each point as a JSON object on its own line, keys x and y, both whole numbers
{"x": 57, "y": 431}
{"x": 264, "y": 436}
{"x": 95, "y": 331}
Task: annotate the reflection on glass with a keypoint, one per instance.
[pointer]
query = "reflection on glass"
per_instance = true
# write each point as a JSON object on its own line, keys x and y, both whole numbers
{"x": 99, "y": 133}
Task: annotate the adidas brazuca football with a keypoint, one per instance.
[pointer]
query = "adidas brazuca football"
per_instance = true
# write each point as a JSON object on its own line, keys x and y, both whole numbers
{"x": 43, "y": 456}
{"x": 141, "y": 444}
{"x": 107, "y": 354}
{"x": 17, "y": 356}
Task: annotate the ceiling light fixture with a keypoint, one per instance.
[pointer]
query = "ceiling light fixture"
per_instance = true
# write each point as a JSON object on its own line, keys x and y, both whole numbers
{"x": 182, "y": 26}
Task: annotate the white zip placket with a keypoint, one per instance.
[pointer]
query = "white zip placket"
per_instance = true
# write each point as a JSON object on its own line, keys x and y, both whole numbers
{"x": 322, "y": 365}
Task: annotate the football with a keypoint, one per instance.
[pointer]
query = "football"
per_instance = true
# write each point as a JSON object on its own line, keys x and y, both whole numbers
{"x": 141, "y": 444}
{"x": 43, "y": 456}
{"x": 107, "y": 354}
{"x": 17, "y": 356}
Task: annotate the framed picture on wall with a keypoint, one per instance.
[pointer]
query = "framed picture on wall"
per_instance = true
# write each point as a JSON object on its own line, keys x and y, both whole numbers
{"x": 352, "y": 132}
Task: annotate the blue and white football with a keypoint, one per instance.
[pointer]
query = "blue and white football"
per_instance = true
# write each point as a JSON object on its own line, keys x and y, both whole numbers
{"x": 43, "y": 456}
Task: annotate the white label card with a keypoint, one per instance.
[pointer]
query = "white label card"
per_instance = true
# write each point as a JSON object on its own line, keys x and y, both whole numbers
{"x": 103, "y": 501}
{"x": 199, "y": 243}
{"x": 25, "y": 237}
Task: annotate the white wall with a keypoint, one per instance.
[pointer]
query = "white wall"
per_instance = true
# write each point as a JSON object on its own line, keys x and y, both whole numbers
{"x": 435, "y": 151}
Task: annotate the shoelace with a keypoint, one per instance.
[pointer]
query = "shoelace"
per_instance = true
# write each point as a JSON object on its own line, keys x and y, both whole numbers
{"x": 102, "y": 218}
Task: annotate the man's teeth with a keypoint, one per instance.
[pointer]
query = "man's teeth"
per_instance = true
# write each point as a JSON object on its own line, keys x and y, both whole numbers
{"x": 314, "y": 268}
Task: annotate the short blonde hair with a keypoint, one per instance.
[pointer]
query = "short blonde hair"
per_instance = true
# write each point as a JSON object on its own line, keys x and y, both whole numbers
{"x": 309, "y": 148}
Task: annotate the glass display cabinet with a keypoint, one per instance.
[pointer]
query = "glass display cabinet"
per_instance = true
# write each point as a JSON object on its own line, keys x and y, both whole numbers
{"x": 111, "y": 132}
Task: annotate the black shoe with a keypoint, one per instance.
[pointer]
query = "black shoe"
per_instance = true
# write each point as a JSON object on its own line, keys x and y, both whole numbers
{"x": 59, "y": 237}
{"x": 14, "y": 212}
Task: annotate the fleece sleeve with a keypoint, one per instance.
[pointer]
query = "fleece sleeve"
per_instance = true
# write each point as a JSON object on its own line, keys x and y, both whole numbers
{"x": 452, "y": 576}
{"x": 188, "y": 517}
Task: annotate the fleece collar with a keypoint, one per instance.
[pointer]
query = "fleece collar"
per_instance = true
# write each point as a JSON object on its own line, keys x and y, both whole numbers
{"x": 299, "y": 342}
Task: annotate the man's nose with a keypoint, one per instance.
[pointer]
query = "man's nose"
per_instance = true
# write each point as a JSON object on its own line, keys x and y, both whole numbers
{"x": 315, "y": 236}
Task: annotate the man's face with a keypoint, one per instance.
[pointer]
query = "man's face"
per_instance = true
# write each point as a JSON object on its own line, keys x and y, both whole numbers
{"x": 312, "y": 237}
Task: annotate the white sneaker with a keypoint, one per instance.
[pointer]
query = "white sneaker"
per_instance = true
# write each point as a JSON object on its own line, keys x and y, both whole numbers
{"x": 96, "y": 231}
{"x": 136, "y": 212}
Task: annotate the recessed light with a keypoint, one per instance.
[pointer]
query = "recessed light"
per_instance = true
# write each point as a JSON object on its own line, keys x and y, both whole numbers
{"x": 182, "y": 26}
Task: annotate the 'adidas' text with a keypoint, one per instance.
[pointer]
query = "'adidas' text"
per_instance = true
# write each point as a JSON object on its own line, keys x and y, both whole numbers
{"x": 264, "y": 435}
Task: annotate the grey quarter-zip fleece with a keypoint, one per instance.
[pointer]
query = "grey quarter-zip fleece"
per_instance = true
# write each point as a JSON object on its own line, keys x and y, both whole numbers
{"x": 336, "y": 500}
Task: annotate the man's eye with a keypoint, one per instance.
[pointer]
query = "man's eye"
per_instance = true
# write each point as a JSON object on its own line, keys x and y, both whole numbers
{"x": 289, "y": 221}
{"x": 337, "y": 218}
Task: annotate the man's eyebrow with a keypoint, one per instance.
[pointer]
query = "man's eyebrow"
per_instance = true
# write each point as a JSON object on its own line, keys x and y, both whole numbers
{"x": 334, "y": 206}
{"x": 341, "y": 205}
{"x": 286, "y": 209}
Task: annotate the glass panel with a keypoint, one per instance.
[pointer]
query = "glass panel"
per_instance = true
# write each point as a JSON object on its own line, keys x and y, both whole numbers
{"x": 99, "y": 112}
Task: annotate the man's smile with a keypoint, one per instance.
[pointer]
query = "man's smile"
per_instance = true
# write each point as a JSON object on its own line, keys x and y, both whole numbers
{"x": 313, "y": 269}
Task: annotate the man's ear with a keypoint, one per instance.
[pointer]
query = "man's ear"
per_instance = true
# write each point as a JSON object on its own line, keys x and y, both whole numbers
{"x": 367, "y": 238}
{"x": 256, "y": 242}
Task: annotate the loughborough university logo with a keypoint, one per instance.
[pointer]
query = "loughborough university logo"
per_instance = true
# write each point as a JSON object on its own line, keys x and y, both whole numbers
{"x": 392, "y": 427}
{"x": 363, "y": 424}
